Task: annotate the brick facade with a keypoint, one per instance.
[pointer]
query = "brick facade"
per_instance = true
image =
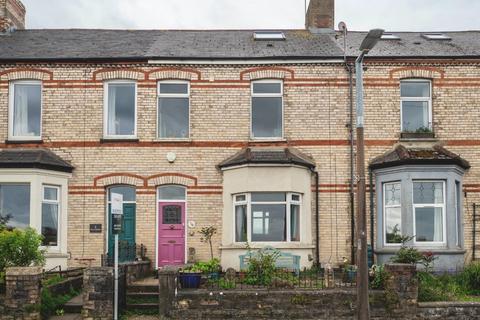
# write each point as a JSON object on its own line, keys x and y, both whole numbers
{"x": 316, "y": 111}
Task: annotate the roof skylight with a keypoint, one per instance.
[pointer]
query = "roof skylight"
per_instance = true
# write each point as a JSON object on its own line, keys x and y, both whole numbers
{"x": 390, "y": 36}
{"x": 436, "y": 36}
{"x": 269, "y": 35}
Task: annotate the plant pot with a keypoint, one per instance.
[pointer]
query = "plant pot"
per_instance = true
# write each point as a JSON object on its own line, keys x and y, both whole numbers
{"x": 417, "y": 135}
{"x": 190, "y": 280}
{"x": 214, "y": 275}
{"x": 351, "y": 275}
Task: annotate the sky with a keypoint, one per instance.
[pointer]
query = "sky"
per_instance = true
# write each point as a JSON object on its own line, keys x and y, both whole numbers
{"x": 392, "y": 15}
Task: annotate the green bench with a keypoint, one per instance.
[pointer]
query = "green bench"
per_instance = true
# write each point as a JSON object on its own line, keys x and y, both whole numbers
{"x": 285, "y": 260}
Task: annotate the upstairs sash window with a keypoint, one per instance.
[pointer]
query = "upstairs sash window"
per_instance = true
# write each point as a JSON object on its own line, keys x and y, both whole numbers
{"x": 120, "y": 112}
{"x": 267, "y": 109}
{"x": 25, "y": 110}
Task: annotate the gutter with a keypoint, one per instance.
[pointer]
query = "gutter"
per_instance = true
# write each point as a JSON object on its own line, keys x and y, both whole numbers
{"x": 317, "y": 216}
{"x": 372, "y": 215}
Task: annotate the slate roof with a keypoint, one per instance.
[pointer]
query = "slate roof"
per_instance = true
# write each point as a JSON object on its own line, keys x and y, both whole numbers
{"x": 437, "y": 155}
{"x": 268, "y": 156}
{"x": 33, "y": 158}
{"x": 411, "y": 44}
{"x": 161, "y": 44}
{"x": 95, "y": 44}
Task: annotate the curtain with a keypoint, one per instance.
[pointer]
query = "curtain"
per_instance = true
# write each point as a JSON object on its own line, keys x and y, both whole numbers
{"x": 20, "y": 118}
{"x": 438, "y": 225}
{"x": 425, "y": 115}
{"x": 112, "y": 103}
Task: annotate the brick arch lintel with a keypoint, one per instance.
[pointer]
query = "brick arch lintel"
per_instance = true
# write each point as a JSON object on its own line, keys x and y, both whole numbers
{"x": 26, "y": 74}
{"x": 119, "y": 178}
{"x": 119, "y": 73}
{"x": 267, "y": 73}
{"x": 174, "y": 74}
{"x": 417, "y": 72}
{"x": 171, "y": 178}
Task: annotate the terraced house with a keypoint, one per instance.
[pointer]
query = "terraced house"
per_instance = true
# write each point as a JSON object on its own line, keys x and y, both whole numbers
{"x": 248, "y": 131}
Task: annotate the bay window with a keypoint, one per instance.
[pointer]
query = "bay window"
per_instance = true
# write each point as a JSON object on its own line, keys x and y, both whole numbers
{"x": 120, "y": 109}
{"x": 267, "y": 217}
{"x": 393, "y": 212}
{"x": 50, "y": 209}
{"x": 416, "y": 102}
{"x": 173, "y": 110}
{"x": 267, "y": 109}
{"x": 25, "y": 119}
{"x": 15, "y": 205}
{"x": 428, "y": 210}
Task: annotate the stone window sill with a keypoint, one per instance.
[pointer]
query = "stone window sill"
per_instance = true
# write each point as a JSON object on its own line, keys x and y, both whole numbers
{"x": 24, "y": 141}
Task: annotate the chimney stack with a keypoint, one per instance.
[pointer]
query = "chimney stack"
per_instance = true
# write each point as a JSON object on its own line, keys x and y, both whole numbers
{"x": 12, "y": 15}
{"x": 320, "y": 14}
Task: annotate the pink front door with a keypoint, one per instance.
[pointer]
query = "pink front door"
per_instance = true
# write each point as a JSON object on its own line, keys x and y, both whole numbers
{"x": 171, "y": 233}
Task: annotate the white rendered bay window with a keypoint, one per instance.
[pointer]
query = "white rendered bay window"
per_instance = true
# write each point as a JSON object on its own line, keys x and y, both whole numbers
{"x": 25, "y": 110}
{"x": 120, "y": 114}
{"x": 267, "y": 217}
{"x": 267, "y": 109}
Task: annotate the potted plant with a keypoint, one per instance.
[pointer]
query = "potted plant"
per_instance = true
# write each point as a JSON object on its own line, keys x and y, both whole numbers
{"x": 419, "y": 133}
{"x": 190, "y": 277}
{"x": 350, "y": 272}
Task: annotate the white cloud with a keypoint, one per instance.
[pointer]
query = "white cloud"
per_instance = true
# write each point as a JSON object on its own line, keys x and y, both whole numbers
{"x": 249, "y": 14}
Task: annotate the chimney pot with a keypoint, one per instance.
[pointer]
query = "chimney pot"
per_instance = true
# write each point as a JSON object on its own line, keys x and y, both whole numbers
{"x": 320, "y": 14}
{"x": 12, "y": 15}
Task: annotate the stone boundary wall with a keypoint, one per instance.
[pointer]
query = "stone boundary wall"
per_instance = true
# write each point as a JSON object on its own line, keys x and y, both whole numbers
{"x": 448, "y": 310}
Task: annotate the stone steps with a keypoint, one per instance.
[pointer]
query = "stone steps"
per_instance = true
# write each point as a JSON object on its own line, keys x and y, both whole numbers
{"x": 74, "y": 306}
{"x": 142, "y": 288}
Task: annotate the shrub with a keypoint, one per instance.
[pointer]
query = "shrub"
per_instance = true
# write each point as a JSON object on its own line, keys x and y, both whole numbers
{"x": 261, "y": 266}
{"x": 52, "y": 304}
{"x": 438, "y": 288}
{"x": 207, "y": 235}
{"x": 20, "y": 248}
{"x": 379, "y": 277}
{"x": 207, "y": 267}
{"x": 407, "y": 255}
{"x": 470, "y": 278}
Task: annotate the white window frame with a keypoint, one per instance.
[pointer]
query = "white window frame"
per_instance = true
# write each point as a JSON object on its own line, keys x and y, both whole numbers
{"x": 267, "y": 95}
{"x": 430, "y": 205}
{"x": 421, "y": 99}
{"x": 11, "y": 107}
{"x": 105, "y": 110}
{"x": 248, "y": 202}
{"x": 58, "y": 203}
{"x": 385, "y": 206}
{"x": 173, "y": 95}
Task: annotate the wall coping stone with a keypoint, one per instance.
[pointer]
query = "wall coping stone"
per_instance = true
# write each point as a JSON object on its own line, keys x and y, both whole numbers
{"x": 447, "y": 304}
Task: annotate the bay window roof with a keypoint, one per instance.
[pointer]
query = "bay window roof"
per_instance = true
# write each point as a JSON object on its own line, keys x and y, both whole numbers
{"x": 33, "y": 159}
{"x": 268, "y": 156}
{"x": 401, "y": 155}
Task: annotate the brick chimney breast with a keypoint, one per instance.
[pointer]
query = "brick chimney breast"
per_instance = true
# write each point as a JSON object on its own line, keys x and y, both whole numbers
{"x": 320, "y": 14}
{"x": 12, "y": 15}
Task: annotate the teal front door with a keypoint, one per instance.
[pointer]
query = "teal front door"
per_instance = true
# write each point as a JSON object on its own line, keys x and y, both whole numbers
{"x": 126, "y": 238}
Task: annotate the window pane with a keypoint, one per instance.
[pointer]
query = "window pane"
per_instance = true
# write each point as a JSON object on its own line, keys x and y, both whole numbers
{"x": 173, "y": 117}
{"x": 241, "y": 223}
{"x": 267, "y": 88}
{"x": 392, "y": 194}
{"x": 127, "y": 192}
{"x": 393, "y": 225}
{"x": 295, "y": 222}
{"x": 415, "y": 89}
{"x": 414, "y": 115}
{"x": 268, "y": 222}
{"x": 171, "y": 193}
{"x": 295, "y": 197}
{"x": 49, "y": 224}
{"x": 50, "y": 193}
{"x": 427, "y": 192}
{"x": 172, "y": 215}
{"x": 27, "y": 110}
{"x": 15, "y": 205}
{"x": 121, "y": 109}
{"x": 429, "y": 224}
{"x": 268, "y": 197}
{"x": 267, "y": 117}
{"x": 240, "y": 198}
{"x": 173, "y": 88}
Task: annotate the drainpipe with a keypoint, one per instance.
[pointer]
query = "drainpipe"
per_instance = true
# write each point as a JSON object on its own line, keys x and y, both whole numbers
{"x": 372, "y": 217}
{"x": 317, "y": 216}
{"x": 349, "y": 68}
